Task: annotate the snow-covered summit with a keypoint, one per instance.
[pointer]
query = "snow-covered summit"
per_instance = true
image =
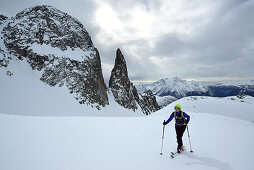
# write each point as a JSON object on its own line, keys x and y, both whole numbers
{"x": 174, "y": 86}
{"x": 46, "y": 25}
{"x": 178, "y": 88}
{"x": 59, "y": 47}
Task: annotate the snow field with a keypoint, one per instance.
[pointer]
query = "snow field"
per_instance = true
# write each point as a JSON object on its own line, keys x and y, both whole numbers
{"x": 94, "y": 143}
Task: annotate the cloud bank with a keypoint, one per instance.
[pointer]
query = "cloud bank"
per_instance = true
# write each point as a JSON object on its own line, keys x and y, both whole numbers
{"x": 195, "y": 39}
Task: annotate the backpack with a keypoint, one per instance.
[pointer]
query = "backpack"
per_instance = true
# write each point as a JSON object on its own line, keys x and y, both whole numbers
{"x": 180, "y": 120}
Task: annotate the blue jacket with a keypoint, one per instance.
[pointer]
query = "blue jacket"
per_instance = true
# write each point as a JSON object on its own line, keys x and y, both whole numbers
{"x": 187, "y": 117}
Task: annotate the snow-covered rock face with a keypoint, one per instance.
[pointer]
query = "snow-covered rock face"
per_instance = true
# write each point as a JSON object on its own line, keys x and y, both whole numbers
{"x": 57, "y": 44}
{"x": 120, "y": 84}
{"x": 4, "y": 59}
{"x": 45, "y": 25}
{"x": 125, "y": 93}
{"x": 148, "y": 102}
{"x": 3, "y": 19}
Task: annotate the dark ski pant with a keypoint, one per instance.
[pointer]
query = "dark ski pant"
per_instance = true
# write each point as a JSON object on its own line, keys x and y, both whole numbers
{"x": 179, "y": 134}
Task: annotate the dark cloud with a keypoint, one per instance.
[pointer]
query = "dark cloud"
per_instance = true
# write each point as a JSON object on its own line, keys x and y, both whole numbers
{"x": 224, "y": 47}
{"x": 189, "y": 39}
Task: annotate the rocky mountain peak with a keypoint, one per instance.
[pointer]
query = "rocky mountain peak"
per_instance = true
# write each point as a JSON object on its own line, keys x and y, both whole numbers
{"x": 57, "y": 44}
{"x": 125, "y": 93}
{"x": 120, "y": 59}
{"x": 120, "y": 84}
{"x": 46, "y": 25}
{"x": 119, "y": 71}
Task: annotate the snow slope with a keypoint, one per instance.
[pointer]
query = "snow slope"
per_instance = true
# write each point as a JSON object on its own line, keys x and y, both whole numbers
{"x": 96, "y": 143}
{"x": 226, "y": 106}
{"x": 43, "y": 100}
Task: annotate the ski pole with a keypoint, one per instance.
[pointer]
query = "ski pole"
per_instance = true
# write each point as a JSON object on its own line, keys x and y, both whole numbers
{"x": 162, "y": 136}
{"x": 189, "y": 139}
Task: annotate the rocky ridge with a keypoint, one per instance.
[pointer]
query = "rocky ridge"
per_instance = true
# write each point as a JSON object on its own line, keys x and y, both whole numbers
{"x": 125, "y": 93}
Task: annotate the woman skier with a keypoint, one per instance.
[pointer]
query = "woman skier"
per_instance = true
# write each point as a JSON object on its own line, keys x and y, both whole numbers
{"x": 181, "y": 121}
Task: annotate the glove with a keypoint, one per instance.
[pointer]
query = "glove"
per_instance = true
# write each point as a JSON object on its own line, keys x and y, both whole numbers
{"x": 164, "y": 123}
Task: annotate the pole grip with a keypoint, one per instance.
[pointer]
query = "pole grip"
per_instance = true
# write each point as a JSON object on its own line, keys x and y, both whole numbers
{"x": 163, "y": 130}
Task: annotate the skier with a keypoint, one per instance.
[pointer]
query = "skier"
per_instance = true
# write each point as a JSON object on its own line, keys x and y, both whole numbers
{"x": 181, "y": 121}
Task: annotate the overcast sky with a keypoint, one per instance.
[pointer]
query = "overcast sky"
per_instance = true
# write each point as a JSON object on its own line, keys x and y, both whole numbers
{"x": 191, "y": 39}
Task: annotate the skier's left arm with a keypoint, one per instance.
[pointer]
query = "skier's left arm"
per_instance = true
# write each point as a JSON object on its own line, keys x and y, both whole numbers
{"x": 187, "y": 117}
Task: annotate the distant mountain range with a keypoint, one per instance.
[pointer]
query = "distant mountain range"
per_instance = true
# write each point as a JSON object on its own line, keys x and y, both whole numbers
{"x": 174, "y": 88}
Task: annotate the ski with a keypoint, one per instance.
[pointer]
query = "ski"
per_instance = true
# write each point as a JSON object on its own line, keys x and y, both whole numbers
{"x": 174, "y": 154}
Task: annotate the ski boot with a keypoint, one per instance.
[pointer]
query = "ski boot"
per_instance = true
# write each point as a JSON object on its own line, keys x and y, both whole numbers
{"x": 179, "y": 149}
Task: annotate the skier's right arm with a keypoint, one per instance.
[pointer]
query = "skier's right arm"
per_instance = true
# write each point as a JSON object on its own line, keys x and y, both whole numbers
{"x": 170, "y": 118}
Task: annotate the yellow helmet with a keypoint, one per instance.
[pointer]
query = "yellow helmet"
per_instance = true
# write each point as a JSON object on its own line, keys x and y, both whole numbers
{"x": 179, "y": 106}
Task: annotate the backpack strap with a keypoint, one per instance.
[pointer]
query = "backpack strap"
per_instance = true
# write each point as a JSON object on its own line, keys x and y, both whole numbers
{"x": 181, "y": 114}
{"x": 182, "y": 117}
